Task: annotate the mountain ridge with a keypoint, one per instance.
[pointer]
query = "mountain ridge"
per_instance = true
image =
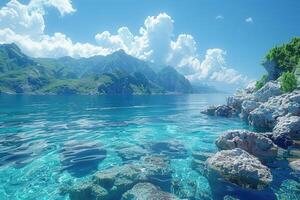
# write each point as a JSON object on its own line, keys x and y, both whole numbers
{"x": 116, "y": 73}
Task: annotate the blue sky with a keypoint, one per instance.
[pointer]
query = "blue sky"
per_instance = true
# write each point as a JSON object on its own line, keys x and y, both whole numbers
{"x": 245, "y": 43}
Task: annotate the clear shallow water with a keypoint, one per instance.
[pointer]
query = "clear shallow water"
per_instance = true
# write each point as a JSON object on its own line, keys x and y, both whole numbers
{"x": 47, "y": 142}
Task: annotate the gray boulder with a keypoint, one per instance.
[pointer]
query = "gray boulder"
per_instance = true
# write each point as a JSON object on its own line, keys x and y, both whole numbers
{"x": 147, "y": 191}
{"x": 210, "y": 110}
{"x": 286, "y": 130}
{"x": 235, "y": 102}
{"x": 238, "y": 167}
{"x": 270, "y": 89}
{"x": 247, "y": 107}
{"x": 254, "y": 143}
{"x": 262, "y": 118}
{"x": 222, "y": 111}
{"x": 265, "y": 116}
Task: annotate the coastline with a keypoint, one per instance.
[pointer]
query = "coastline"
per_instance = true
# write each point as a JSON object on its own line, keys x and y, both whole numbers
{"x": 275, "y": 141}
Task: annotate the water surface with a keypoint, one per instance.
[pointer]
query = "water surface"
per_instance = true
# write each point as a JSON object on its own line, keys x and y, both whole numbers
{"x": 50, "y": 141}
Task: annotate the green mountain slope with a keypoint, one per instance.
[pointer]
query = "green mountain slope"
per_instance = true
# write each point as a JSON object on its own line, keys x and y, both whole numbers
{"x": 117, "y": 73}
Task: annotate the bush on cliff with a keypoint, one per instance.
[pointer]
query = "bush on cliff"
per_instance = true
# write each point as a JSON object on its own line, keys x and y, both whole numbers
{"x": 288, "y": 82}
{"x": 259, "y": 84}
{"x": 286, "y": 56}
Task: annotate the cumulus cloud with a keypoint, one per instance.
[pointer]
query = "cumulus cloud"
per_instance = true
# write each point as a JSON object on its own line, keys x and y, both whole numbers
{"x": 155, "y": 42}
{"x": 25, "y": 25}
{"x": 214, "y": 68}
{"x": 63, "y": 6}
{"x": 249, "y": 20}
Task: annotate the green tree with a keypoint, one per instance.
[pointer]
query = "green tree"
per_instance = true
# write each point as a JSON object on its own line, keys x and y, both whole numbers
{"x": 286, "y": 56}
{"x": 288, "y": 82}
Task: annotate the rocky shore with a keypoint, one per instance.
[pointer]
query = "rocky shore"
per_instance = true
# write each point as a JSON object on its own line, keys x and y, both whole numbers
{"x": 246, "y": 158}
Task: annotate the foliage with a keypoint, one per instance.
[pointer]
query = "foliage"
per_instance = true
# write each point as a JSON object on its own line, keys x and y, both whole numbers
{"x": 288, "y": 82}
{"x": 286, "y": 56}
{"x": 259, "y": 84}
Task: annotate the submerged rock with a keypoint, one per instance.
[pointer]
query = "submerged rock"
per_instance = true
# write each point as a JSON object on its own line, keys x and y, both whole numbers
{"x": 254, "y": 143}
{"x": 147, "y": 191}
{"x": 286, "y": 130}
{"x": 88, "y": 191}
{"x": 131, "y": 153}
{"x": 119, "y": 179}
{"x": 198, "y": 161}
{"x": 81, "y": 158}
{"x": 289, "y": 189}
{"x": 295, "y": 166}
{"x": 238, "y": 167}
{"x": 173, "y": 149}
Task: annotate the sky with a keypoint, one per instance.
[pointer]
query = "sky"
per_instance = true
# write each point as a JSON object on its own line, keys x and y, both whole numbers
{"x": 209, "y": 41}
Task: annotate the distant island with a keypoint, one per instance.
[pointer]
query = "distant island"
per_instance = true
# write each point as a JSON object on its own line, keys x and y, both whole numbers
{"x": 114, "y": 74}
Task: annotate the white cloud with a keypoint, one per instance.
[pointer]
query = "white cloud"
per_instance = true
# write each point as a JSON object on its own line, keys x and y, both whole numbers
{"x": 25, "y": 25}
{"x": 18, "y": 18}
{"x": 219, "y": 17}
{"x": 249, "y": 20}
{"x": 214, "y": 68}
{"x": 63, "y": 6}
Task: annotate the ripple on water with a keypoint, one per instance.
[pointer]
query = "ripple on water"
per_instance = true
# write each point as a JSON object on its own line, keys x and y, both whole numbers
{"x": 19, "y": 151}
{"x": 81, "y": 158}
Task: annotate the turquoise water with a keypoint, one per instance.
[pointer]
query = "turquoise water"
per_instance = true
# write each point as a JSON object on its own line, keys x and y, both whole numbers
{"x": 51, "y": 141}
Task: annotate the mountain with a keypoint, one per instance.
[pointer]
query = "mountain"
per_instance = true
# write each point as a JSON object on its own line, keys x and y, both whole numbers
{"x": 172, "y": 81}
{"x": 117, "y": 73}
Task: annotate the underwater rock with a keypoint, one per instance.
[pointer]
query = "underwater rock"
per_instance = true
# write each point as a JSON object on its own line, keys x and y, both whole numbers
{"x": 173, "y": 149}
{"x": 81, "y": 158}
{"x": 198, "y": 161}
{"x": 254, "y": 143}
{"x": 147, "y": 191}
{"x": 131, "y": 153}
{"x": 89, "y": 191}
{"x": 289, "y": 189}
{"x": 238, "y": 167}
{"x": 119, "y": 179}
{"x": 227, "y": 197}
{"x": 295, "y": 166}
{"x": 287, "y": 129}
